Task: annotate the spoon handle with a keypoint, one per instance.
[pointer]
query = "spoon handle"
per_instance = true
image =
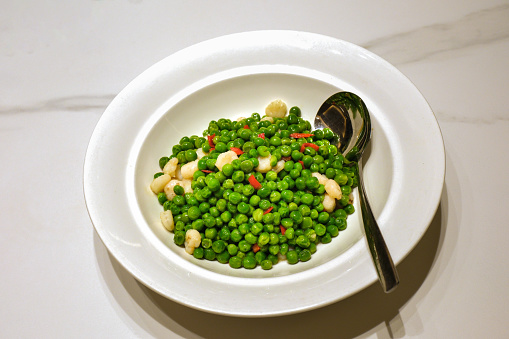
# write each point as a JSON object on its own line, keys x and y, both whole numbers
{"x": 385, "y": 268}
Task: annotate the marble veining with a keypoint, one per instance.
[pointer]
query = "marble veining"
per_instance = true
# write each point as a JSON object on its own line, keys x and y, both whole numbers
{"x": 475, "y": 29}
{"x": 77, "y": 103}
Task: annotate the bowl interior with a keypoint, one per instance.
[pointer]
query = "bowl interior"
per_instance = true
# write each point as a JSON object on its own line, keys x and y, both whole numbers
{"x": 235, "y": 97}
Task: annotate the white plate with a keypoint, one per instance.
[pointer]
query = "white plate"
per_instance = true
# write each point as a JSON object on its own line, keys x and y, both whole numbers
{"x": 234, "y": 76}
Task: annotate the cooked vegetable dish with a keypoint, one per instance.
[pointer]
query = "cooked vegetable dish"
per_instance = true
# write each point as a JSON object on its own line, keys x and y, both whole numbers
{"x": 255, "y": 191}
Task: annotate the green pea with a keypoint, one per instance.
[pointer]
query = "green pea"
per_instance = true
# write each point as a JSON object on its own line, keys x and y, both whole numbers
{"x": 244, "y": 246}
{"x": 307, "y": 222}
{"x": 249, "y": 262}
{"x": 304, "y": 255}
{"x": 251, "y": 238}
{"x": 326, "y": 238}
{"x": 243, "y": 208}
{"x": 209, "y": 254}
{"x": 340, "y": 213}
{"x": 320, "y": 229}
{"x": 218, "y": 246}
{"x": 221, "y": 147}
{"x": 292, "y": 119}
{"x": 274, "y": 240}
{"x": 263, "y": 192}
{"x": 303, "y": 241}
{"x": 236, "y": 164}
{"x": 296, "y": 155}
{"x": 235, "y": 235}
{"x": 198, "y": 224}
{"x": 349, "y": 209}
{"x": 310, "y": 234}
{"x": 263, "y": 239}
{"x": 206, "y": 148}
{"x": 246, "y": 166}
{"x": 264, "y": 204}
{"x": 181, "y": 157}
{"x": 283, "y": 249}
{"x": 176, "y": 149}
{"x": 206, "y": 243}
{"x": 254, "y": 200}
{"x": 210, "y": 233}
{"x": 191, "y": 155}
{"x": 295, "y": 110}
{"x": 263, "y": 151}
{"x": 238, "y": 187}
{"x": 258, "y": 215}
{"x": 271, "y": 185}
{"x": 235, "y": 198}
{"x": 275, "y": 141}
{"x": 179, "y": 237}
{"x": 266, "y": 264}
{"x": 227, "y": 170}
{"x": 238, "y": 176}
{"x": 285, "y": 150}
{"x": 312, "y": 183}
{"x": 300, "y": 183}
{"x": 258, "y": 142}
{"x": 296, "y": 216}
{"x": 161, "y": 197}
{"x": 214, "y": 185}
{"x": 179, "y": 200}
{"x": 275, "y": 196}
{"x": 346, "y": 190}
{"x": 163, "y": 161}
{"x": 224, "y": 234}
{"x": 245, "y": 134}
{"x": 268, "y": 219}
{"x": 333, "y": 230}
{"x": 282, "y": 186}
{"x": 223, "y": 257}
{"x": 235, "y": 262}
{"x": 211, "y": 164}
{"x": 256, "y": 228}
{"x": 294, "y": 173}
{"x": 240, "y": 218}
{"x": 307, "y": 199}
{"x": 292, "y": 257}
{"x": 323, "y": 217}
{"x": 290, "y": 232}
{"x": 198, "y": 253}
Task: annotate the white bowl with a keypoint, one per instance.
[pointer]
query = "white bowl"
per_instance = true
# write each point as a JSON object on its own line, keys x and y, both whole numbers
{"x": 235, "y": 76}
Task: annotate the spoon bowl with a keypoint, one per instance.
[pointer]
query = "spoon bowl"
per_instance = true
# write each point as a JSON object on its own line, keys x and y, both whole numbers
{"x": 346, "y": 114}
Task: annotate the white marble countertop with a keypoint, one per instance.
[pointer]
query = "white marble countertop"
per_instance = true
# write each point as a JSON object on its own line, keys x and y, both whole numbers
{"x": 61, "y": 63}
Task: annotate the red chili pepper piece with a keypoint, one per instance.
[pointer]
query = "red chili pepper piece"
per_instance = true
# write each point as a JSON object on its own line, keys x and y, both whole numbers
{"x": 255, "y": 183}
{"x": 256, "y": 248}
{"x": 246, "y": 127}
{"x": 211, "y": 143}
{"x": 207, "y": 171}
{"x": 283, "y": 230}
{"x": 302, "y": 163}
{"x": 262, "y": 135}
{"x": 268, "y": 210}
{"x": 308, "y": 144}
{"x": 237, "y": 151}
{"x": 301, "y": 135}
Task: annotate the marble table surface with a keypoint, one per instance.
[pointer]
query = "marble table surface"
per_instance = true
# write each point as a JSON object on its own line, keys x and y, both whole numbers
{"x": 62, "y": 62}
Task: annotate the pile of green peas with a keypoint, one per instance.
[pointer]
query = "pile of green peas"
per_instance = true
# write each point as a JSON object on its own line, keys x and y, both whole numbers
{"x": 282, "y": 217}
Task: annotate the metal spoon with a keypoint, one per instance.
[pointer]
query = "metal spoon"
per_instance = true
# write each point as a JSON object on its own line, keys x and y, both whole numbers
{"x": 347, "y": 116}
